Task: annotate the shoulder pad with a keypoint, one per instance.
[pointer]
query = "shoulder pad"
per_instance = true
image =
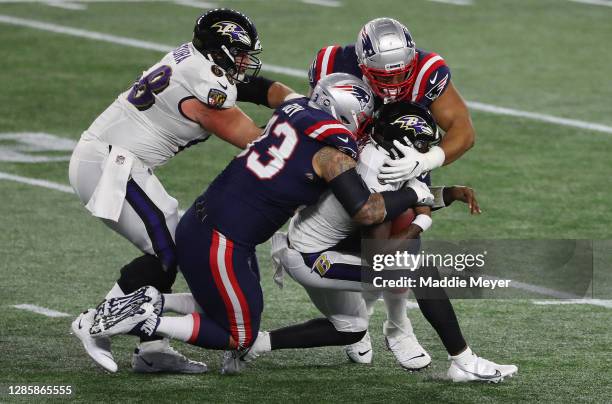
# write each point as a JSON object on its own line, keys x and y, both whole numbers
{"x": 323, "y": 64}
{"x": 208, "y": 82}
{"x": 335, "y": 134}
{"x": 433, "y": 77}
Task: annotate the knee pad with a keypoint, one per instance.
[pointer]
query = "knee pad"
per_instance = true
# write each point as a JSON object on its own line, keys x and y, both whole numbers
{"x": 146, "y": 270}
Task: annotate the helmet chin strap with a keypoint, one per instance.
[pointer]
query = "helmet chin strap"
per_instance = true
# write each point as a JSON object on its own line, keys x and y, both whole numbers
{"x": 227, "y": 52}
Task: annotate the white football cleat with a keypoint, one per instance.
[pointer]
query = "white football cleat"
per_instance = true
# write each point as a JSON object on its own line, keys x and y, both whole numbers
{"x": 158, "y": 356}
{"x": 360, "y": 352}
{"x": 408, "y": 352}
{"x": 233, "y": 362}
{"x": 468, "y": 367}
{"x": 259, "y": 347}
{"x": 99, "y": 349}
{"x": 125, "y": 321}
{"x": 145, "y": 294}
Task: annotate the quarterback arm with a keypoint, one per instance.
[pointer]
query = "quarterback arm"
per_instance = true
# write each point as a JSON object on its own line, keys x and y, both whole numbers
{"x": 364, "y": 207}
{"x": 455, "y": 193}
{"x": 452, "y": 115}
{"x": 231, "y": 124}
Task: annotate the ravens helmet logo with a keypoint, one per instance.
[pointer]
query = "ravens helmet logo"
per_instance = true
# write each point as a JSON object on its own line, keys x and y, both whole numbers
{"x": 234, "y": 31}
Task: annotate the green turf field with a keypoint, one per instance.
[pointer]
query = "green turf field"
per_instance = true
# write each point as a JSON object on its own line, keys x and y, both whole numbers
{"x": 535, "y": 180}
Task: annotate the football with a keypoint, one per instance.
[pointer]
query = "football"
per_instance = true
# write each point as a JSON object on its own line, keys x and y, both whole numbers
{"x": 402, "y": 221}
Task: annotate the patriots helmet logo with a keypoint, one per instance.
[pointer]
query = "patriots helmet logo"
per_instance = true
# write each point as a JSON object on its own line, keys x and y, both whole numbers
{"x": 234, "y": 31}
{"x": 366, "y": 43}
{"x": 358, "y": 92}
{"x": 415, "y": 124}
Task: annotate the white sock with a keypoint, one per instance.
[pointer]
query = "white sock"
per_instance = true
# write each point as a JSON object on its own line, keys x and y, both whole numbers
{"x": 464, "y": 358}
{"x": 115, "y": 292}
{"x": 370, "y": 297}
{"x": 181, "y": 303}
{"x": 263, "y": 342}
{"x": 180, "y": 328}
{"x": 397, "y": 319}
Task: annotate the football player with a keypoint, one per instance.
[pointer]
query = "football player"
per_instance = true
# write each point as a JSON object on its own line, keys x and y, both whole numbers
{"x": 188, "y": 95}
{"x": 316, "y": 255}
{"x": 308, "y": 146}
{"x": 386, "y": 57}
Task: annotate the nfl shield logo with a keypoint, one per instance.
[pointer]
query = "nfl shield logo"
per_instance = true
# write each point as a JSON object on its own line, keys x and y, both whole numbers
{"x": 120, "y": 160}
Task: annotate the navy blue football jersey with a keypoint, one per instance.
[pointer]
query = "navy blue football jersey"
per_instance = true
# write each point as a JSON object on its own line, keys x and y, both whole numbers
{"x": 433, "y": 75}
{"x": 264, "y": 185}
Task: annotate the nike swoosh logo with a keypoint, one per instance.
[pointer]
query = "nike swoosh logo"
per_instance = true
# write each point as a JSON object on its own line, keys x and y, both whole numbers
{"x": 493, "y": 376}
{"x": 418, "y": 356}
{"x": 149, "y": 364}
{"x": 344, "y": 139}
{"x": 363, "y": 353}
{"x": 432, "y": 81}
{"x": 107, "y": 355}
{"x": 225, "y": 87}
{"x": 80, "y": 327}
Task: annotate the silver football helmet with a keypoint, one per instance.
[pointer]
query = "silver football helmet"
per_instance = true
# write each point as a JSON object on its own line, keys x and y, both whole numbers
{"x": 346, "y": 98}
{"x": 387, "y": 57}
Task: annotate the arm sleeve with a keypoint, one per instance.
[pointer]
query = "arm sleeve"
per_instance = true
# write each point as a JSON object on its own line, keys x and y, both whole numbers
{"x": 255, "y": 90}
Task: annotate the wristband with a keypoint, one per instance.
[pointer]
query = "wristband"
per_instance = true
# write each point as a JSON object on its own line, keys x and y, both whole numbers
{"x": 438, "y": 194}
{"x": 435, "y": 158}
{"x": 423, "y": 221}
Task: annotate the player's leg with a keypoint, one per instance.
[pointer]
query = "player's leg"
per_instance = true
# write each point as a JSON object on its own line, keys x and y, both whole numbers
{"x": 341, "y": 271}
{"x": 399, "y": 335}
{"x": 148, "y": 219}
{"x": 465, "y": 365}
{"x": 224, "y": 280}
{"x": 345, "y": 322}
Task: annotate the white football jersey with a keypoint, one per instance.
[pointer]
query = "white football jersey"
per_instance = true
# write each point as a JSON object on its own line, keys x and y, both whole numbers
{"x": 321, "y": 226}
{"x": 147, "y": 118}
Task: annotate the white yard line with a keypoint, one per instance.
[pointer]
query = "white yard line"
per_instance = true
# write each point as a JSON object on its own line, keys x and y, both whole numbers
{"x": 82, "y": 4}
{"x": 607, "y": 3}
{"x": 135, "y": 43}
{"x": 41, "y": 310}
{"x": 67, "y": 5}
{"x": 44, "y": 184}
{"x": 36, "y": 182}
{"x": 202, "y": 5}
{"x": 540, "y": 290}
{"x": 479, "y": 106}
{"x": 455, "y": 2}
{"x": 592, "y": 302}
{"x": 324, "y": 3}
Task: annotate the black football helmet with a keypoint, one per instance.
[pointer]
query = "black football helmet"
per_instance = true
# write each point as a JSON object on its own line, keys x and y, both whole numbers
{"x": 229, "y": 39}
{"x": 409, "y": 123}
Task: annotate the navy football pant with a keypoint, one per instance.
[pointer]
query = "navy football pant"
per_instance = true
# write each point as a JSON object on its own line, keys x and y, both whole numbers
{"x": 224, "y": 279}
